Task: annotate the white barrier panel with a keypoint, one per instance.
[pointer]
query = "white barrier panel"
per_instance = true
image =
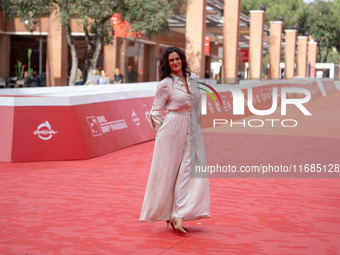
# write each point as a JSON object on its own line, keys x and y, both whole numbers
{"x": 80, "y": 122}
{"x": 63, "y": 123}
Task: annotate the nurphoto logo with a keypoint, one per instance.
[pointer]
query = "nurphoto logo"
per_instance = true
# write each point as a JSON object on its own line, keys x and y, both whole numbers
{"x": 239, "y": 103}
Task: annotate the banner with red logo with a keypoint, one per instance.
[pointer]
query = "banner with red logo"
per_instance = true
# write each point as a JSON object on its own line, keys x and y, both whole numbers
{"x": 49, "y": 127}
{"x": 39, "y": 133}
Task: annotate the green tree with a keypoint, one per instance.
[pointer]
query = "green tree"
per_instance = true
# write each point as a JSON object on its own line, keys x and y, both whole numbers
{"x": 321, "y": 21}
{"x": 28, "y": 11}
{"x": 146, "y": 16}
{"x": 291, "y": 10}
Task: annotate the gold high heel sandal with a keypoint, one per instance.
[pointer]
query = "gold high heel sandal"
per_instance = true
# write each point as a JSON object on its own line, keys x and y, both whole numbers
{"x": 176, "y": 224}
{"x": 169, "y": 222}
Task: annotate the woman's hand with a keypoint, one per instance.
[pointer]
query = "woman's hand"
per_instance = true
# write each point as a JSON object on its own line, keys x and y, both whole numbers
{"x": 157, "y": 126}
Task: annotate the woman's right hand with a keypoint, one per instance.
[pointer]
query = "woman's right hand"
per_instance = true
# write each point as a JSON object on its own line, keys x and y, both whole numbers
{"x": 157, "y": 126}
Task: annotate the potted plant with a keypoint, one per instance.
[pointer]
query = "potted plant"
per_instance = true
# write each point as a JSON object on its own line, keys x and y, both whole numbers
{"x": 29, "y": 69}
{"x": 24, "y": 77}
{"x": 19, "y": 73}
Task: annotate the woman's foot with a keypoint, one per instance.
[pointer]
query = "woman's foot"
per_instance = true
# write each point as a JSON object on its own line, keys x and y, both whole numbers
{"x": 176, "y": 224}
{"x": 169, "y": 222}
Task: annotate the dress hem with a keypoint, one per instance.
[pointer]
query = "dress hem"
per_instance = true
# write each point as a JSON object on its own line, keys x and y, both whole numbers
{"x": 184, "y": 219}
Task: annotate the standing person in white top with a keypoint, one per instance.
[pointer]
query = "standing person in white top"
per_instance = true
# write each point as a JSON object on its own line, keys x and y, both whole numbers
{"x": 94, "y": 78}
{"x": 171, "y": 194}
{"x": 104, "y": 78}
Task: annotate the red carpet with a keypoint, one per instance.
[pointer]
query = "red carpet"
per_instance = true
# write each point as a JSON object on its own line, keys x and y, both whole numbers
{"x": 92, "y": 207}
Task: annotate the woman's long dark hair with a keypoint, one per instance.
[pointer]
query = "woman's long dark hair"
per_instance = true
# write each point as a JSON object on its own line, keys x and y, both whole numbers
{"x": 164, "y": 68}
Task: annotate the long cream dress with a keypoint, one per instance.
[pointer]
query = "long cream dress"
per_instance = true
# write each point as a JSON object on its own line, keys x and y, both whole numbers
{"x": 171, "y": 191}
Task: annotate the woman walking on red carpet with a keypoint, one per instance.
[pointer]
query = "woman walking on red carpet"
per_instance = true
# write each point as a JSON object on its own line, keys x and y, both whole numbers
{"x": 171, "y": 194}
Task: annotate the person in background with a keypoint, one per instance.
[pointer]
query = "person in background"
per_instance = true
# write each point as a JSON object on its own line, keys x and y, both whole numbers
{"x": 94, "y": 78}
{"x": 118, "y": 78}
{"x": 131, "y": 75}
{"x": 206, "y": 75}
{"x": 104, "y": 78}
{"x": 3, "y": 82}
{"x": 27, "y": 79}
{"x": 79, "y": 76}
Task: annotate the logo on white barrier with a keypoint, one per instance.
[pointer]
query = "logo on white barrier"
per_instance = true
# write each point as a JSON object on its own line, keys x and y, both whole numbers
{"x": 94, "y": 126}
{"x": 99, "y": 125}
{"x": 135, "y": 119}
{"x": 147, "y": 116}
{"x": 45, "y": 131}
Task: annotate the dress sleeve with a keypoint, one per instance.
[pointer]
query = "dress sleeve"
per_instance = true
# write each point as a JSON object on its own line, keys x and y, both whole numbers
{"x": 161, "y": 97}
